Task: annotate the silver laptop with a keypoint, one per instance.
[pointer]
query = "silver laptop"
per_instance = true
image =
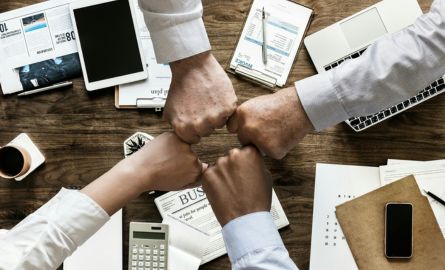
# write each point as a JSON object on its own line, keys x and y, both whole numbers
{"x": 349, "y": 39}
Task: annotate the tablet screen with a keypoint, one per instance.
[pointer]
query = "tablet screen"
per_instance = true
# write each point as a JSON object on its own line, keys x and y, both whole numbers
{"x": 108, "y": 40}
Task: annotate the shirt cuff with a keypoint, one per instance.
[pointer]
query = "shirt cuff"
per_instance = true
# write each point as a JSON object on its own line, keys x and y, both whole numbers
{"x": 180, "y": 41}
{"x": 250, "y": 233}
{"x": 76, "y": 214}
{"x": 319, "y": 99}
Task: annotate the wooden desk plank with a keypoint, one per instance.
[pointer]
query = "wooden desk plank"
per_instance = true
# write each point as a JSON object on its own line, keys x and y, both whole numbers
{"x": 81, "y": 134}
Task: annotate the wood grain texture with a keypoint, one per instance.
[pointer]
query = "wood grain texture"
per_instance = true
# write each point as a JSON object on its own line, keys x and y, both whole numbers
{"x": 81, "y": 134}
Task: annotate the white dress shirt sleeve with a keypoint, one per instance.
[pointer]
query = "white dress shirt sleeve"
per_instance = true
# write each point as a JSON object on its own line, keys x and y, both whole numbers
{"x": 45, "y": 238}
{"x": 393, "y": 69}
{"x": 176, "y": 28}
{"x": 253, "y": 243}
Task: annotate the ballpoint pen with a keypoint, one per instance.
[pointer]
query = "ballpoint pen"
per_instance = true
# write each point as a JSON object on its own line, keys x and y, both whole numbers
{"x": 435, "y": 197}
{"x": 264, "y": 37}
{"x": 45, "y": 89}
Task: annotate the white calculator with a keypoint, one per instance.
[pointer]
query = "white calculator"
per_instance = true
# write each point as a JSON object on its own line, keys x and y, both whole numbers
{"x": 148, "y": 244}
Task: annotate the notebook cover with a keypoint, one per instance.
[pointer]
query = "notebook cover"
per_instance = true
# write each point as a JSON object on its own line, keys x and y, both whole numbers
{"x": 363, "y": 223}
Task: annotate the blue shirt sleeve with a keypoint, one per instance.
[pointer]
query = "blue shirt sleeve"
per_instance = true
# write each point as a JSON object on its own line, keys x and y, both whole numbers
{"x": 253, "y": 242}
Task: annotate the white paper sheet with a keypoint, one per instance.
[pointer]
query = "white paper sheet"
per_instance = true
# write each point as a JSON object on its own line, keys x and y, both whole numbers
{"x": 3, "y": 232}
{"x": 285, "y": 27}
{"x": 186, "y": 245}
{"x": 430, "y": 176}
{"x": 102, "y": 251}
{"x": 334, "y": 185}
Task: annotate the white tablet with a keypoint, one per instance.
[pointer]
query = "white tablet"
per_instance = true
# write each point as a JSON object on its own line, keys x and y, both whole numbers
{"x": 108, "y": 41}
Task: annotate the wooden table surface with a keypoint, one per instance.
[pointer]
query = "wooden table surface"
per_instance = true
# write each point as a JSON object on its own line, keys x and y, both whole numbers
{"x": 81, "y": 134}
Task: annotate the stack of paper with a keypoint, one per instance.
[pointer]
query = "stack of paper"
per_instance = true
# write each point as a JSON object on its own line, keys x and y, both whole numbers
{"x": 186, "y": 245}
{"x": 336, "y": 184}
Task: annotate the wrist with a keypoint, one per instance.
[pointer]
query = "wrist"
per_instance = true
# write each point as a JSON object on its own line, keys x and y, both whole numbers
{"x": 138, "y": 178}
{"x": 190, "y": 63}
{"x": 301, "y": 116}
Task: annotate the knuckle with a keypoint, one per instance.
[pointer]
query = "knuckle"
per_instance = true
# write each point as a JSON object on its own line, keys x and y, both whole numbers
{"x": 221, "y": 161}
{"x": 234, "y": 152}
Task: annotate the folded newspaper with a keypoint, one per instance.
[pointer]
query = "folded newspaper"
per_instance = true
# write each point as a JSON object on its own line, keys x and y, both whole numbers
{"x": 37, "y": 47}
{"x": 192, "y": 207}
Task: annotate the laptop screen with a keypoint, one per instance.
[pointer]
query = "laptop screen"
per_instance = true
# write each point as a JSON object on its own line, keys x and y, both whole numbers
{"x": 363, "y": 28}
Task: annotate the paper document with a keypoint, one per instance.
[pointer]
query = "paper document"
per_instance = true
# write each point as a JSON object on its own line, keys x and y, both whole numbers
{"x": 192, "y": 207}
{"x": 334, "y": 185}
{"x": 186, "y": 245}
{"x": 152, "y": 92}
{"x": 37, "y": 47}
{"x": 286, "y": 23}
{"x": 102, "y": 251}
{"x": 3, "y": 233}
{"x": 430, "y": 176}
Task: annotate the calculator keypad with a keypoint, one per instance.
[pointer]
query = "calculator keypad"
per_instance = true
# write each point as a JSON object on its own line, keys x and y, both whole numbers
{"x": 146, "y": 257}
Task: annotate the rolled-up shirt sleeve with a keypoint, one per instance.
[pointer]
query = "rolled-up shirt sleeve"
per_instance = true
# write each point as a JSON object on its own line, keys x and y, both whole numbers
{"x": 253, "y": 243}
{"x": 176, "y": 28}
{"x": 392, "y": 70}
{"x": 45, "y": 238}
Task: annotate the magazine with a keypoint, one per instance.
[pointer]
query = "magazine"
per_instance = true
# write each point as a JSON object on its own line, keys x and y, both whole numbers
{"x": 37, "y": 47}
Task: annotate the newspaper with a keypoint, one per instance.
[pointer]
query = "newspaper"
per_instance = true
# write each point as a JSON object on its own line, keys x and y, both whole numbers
{"x": 37, "y": 47}
{"x": 192, "y": 207}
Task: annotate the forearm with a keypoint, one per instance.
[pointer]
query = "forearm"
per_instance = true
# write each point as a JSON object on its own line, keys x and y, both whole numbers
{"x": 176, "y": 27}
{"x": 115, "y": 188}
{"x": 253, "y": 243}
{"x": 393, "y": 69}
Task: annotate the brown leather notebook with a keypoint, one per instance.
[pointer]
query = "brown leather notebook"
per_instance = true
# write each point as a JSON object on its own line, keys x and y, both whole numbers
{"x": 363, "y": 223}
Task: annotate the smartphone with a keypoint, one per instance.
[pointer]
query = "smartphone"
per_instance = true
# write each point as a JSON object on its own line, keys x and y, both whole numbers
{"x": 399, "y": 230}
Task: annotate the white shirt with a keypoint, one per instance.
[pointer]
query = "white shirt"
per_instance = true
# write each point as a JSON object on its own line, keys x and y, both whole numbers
{"x": 393, "y": 69}
{"x": 44, "y": 239}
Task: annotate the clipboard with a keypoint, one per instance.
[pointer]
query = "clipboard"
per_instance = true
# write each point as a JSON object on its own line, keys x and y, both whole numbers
{"x": 141, "y": 103}
{"x": 247, "y": 70}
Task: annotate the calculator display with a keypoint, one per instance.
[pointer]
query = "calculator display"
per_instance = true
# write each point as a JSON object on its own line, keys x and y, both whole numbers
{"x": 149, "y": 235}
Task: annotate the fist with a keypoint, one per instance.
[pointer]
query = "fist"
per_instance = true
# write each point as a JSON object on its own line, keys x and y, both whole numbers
{"x": 201, "y": 97}
{"x": 274, "y": 123}
{"x": 238, "y": 185}
{"x": 165, "y": 164}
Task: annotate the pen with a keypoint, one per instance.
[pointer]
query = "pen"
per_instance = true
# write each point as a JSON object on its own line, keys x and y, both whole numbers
{"x": 264, "y": 38}
{"x": 45, "y": 89}
{"x": 435, "y": 197}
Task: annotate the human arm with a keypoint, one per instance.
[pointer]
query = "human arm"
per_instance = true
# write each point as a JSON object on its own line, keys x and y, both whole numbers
{"x": 45, "y": 238}
{"x": 239, "y": 190}
{"x": 201, "y": 96}
{"x": 391, "y": 70}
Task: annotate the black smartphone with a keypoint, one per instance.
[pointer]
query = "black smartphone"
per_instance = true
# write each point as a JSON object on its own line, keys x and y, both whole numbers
{"x": 399, "y": 230}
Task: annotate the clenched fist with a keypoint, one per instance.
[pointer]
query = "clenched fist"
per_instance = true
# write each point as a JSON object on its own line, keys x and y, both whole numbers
{"x": 274, "y": 123}
{"x": 238, "y": 184}
{"x": 201, "y": 97}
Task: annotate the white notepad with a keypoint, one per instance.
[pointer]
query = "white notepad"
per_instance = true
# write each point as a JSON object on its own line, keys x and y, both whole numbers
{"x": 102, "y": 251}
{"x": 334, "y": 185}
{"x": 286, "y": 24}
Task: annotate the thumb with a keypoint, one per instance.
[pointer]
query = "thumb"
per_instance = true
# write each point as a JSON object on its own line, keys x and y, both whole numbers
{"x": 205, "y": 166}
{"x": 232, "y": 124}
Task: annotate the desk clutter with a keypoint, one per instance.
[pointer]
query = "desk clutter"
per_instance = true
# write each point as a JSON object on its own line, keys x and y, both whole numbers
{"x": 349, "y": 214}
{"x": 39, "y": 53}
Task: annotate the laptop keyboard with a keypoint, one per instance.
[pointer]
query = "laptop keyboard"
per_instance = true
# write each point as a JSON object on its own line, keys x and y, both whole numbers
{"x": 364, "y": 122}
